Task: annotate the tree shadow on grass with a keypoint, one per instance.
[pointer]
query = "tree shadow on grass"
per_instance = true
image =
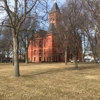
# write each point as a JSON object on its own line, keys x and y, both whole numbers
{"x": 89, "y": 67}
{"x": 57, "y": 70}
{"x": 44, "y": 72}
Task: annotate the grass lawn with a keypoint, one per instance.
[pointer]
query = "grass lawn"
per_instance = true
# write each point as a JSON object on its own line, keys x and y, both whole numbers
{"x": 50, "y": 82}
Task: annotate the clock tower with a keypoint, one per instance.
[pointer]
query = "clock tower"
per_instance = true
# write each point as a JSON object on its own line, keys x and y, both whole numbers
{"x": 55, "y": 15}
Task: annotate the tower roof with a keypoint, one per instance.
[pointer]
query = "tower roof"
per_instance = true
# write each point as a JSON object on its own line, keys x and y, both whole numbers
{"x": 51, "y": 28}
{"x": 55, "y": 8}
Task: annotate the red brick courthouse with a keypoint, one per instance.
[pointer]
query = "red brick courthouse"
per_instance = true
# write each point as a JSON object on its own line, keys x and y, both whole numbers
{"x": 44, "y": 48}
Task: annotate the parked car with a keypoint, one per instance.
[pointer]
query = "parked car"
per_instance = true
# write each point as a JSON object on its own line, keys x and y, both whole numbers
{"x": 72, "y": 61}
{"x": 5, "y": 60}
{"x": 88, "y": 60}
{"x": 21, "y": 60}
{"x": 97, "y": 60}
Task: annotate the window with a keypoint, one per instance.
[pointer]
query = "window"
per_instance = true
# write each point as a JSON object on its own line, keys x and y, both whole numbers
{"x": 44, "y": 52}
{"x": 34, "y": 59}
{"x": 39, "y": 59}
{"x": 40, "y": 43}
{"x": 44, "y": 43}
{"x": 47, "y": 58}
{"x": 40, "y": 52}
{"x": 34, "y": 52}
{"x": 49, "y": 51}
{"x": 44, "y": 58}
{"x": 34, "y": 43}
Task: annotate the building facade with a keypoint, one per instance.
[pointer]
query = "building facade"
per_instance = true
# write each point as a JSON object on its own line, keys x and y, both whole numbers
{"x": 46, "y": 48}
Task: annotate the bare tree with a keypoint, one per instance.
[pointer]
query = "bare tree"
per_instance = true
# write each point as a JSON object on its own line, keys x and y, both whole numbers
{"x": 6, "y": 41}
{"x": 82, "y": 20}
{"x": 73, "y": 19}
{"x": 17, "y": 14}
{"x": 94, "y": 8}
{"x": 62, "y": 39}
{"x": 92, "y": 24}
{"x": 29, "y": 27}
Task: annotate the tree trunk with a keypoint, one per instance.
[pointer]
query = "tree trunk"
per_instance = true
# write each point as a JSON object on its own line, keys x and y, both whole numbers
{"x": 75, "y": 61}
{"x": 15, "y": 54}
{"x": 26, "y": 56}
{"x": 82, "y": 57}
{"x": 13, "y": 58}
{"x": 66, "y": 56}
{"x": 99, "y": 56}
{"x": 1, "y": 59}
{"x": 94, "y": 57}
{"x": 99, "y": 53}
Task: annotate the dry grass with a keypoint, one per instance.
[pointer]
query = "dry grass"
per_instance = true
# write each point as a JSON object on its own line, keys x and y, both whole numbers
{"x": 50, "y": 82}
